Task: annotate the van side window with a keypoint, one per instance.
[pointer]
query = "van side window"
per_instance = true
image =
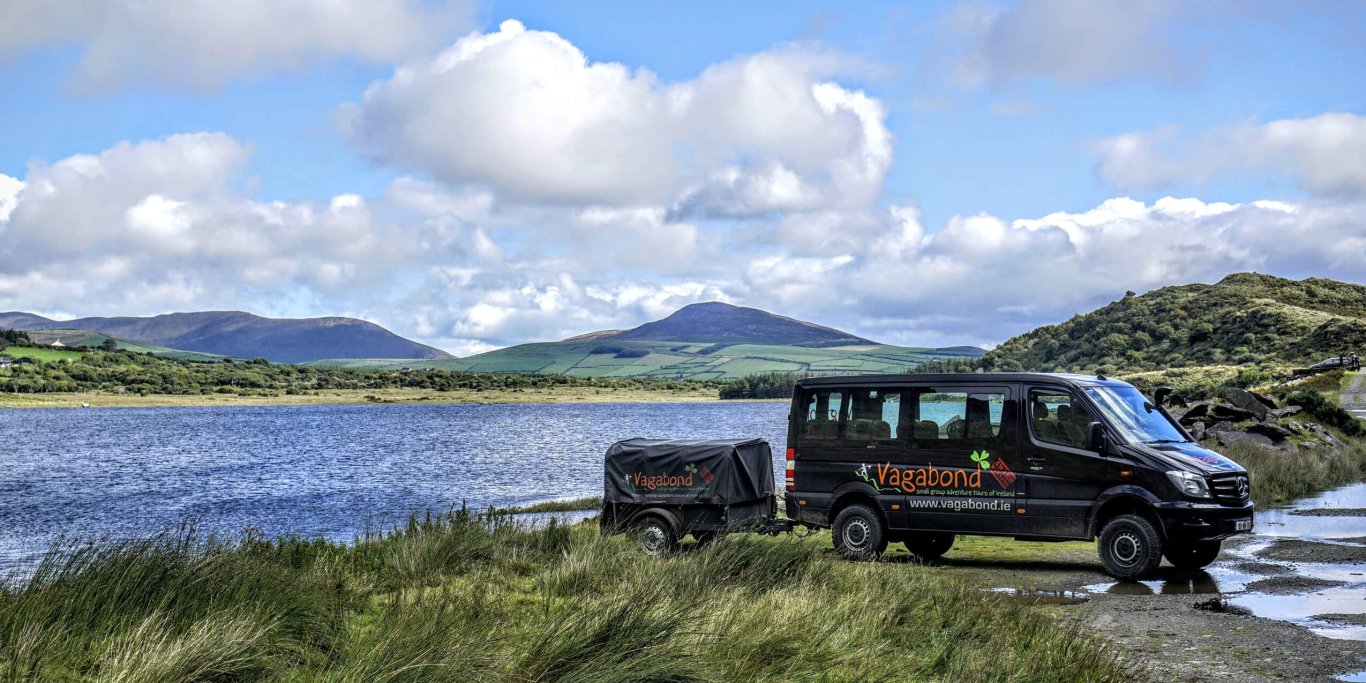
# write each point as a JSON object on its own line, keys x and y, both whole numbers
{"x": 873, "y": 415}
{"x": 956, "y": 416}
{"x": 1057, "y": 417}
{"x": 823, "y": 412}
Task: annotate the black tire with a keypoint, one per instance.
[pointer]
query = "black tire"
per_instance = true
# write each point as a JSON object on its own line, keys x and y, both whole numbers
{"x": 928, "y": 545}
{"x": 1192, "y": 554}
{"x": 656, "y": 536}
{"x": 1130, "y": 547}
{"x": 859, "y": 533}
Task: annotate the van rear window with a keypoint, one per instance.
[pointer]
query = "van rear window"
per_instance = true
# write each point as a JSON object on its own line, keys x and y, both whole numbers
{"x": 957, "y": 416}
{"x": 824, "y": 410}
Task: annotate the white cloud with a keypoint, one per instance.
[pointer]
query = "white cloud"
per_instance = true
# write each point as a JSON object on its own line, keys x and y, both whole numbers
{"x": 1324, "y": 154}
{"x": 1074, "y": 42}
{"x": 529, "y": 115}
{"x": 205, "y": 44}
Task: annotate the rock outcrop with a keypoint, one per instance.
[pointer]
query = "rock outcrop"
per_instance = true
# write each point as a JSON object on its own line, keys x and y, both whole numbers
{"x": 1242, "y": 416}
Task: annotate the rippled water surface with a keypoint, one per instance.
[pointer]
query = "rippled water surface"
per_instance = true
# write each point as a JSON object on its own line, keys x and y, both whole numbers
{"x": 316, "y": 470}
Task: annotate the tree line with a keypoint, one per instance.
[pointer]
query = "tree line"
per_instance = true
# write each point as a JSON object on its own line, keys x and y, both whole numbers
{"x": 126, "y": 371}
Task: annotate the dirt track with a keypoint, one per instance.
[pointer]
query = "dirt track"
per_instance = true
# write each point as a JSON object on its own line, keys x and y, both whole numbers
{"x": 1353, "y": 399}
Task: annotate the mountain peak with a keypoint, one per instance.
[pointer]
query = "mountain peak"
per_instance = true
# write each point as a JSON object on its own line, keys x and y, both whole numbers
{"x": 246, "y": 335}
{"x": 720, "y": 322}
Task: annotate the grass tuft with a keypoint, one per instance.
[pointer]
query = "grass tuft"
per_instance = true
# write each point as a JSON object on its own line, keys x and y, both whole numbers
{"x": 476, "y": 597}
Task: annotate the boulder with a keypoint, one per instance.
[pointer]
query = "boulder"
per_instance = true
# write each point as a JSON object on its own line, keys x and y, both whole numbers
{"x": 1274, "y": 432}
{"x": 1220, "y": 411}
{"x": 1197, "y": 411}
{"x": 1197, "y": 430}
{"x": 1287, "y": 411}
{"x": 1325, "y": 436}
{"x": 1255, "y": 404}
{"x": 1230, "y": 438}
{"x": 1220, "y": 427}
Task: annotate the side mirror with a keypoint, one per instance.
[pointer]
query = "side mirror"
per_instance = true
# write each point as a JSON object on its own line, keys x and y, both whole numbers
{"x": 1095, "y": 437}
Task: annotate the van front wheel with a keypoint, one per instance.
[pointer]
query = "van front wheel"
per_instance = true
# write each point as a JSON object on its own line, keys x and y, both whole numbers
{"x": 858, "y": 533}
{"x": 1192, "y": 554}
{"x": 1130, "y": 548}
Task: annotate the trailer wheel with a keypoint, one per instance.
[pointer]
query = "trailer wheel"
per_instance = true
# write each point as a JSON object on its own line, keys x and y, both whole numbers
{"x": 1130, "y": 547}
{"x": 928, "y": 546}
{"x": 858, "y": 533}
{"x": 656, "y": 536}
{"x": 1192, "y": 554}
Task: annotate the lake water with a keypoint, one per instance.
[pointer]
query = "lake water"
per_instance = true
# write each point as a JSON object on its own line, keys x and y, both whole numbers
{"x": 330, "y": 471}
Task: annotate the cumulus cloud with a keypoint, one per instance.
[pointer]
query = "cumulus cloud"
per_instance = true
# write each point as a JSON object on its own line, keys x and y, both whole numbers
{"x": 146, "y": 226}
{"x": 982, "y": 278}
{"x": 1074, "y": 42}
{"x": 160, "y": 225}
{"x": 1324, "y": 154}
{"x": 205, "y": 44}
{"x": 529, "y": 115}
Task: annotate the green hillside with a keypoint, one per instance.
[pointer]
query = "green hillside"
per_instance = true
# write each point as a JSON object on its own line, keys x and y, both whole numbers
{"x": 1246, "y": 319}
{"x": 677, "y": 360}
{"x": 704, "y": 341}
{"x": 78, "y": 338}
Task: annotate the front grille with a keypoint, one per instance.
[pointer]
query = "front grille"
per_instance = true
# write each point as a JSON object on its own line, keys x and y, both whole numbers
{"x": 1230, "y": 489}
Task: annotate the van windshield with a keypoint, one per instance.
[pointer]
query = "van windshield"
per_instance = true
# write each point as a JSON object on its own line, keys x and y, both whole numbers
{"x": 1131, "y": 413}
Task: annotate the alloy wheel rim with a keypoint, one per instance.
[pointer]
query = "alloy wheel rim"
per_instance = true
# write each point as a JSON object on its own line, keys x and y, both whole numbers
{"x": 856, "y": 534}
{"x": 1126, "y": 548}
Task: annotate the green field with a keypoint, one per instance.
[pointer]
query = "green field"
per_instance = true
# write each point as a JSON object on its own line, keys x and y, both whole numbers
{"x": 671, "y": 360}
{"x": 42, "y": 354}
{"x": 89, "y": 339}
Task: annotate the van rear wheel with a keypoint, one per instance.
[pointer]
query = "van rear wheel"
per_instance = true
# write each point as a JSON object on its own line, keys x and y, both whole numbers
{"x": 928, "y": 546}
{"x": 1130, "y": 547}
{"x": 858, "y": 533}
{"x": 1192, "y": 554}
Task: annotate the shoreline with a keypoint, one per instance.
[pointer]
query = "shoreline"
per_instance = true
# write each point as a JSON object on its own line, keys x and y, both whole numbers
{"x": 363, "y": 397}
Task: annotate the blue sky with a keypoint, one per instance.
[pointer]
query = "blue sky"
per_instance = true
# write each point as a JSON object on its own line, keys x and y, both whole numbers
{"x": 895, "y": 170}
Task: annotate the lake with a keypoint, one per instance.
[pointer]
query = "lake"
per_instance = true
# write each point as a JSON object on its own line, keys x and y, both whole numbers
{"x": 330, "y": 471}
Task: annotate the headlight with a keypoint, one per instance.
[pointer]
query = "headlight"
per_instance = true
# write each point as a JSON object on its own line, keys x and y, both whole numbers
{"x": 1189, "y": 484}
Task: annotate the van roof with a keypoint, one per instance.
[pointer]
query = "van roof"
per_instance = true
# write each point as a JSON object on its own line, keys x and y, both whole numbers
{"x": 958, "y": 378}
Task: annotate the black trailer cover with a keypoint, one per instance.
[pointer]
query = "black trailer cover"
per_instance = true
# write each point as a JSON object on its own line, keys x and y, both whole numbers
{"x": 715, "y": 472}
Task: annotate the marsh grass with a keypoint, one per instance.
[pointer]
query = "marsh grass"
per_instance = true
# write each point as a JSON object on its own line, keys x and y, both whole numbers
{"x": 475, "y": 597}
{"x": 1282, "y": 477}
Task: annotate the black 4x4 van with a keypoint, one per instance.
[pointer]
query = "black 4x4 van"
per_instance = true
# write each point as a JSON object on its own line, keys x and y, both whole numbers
{"x": 1042, "y": 457}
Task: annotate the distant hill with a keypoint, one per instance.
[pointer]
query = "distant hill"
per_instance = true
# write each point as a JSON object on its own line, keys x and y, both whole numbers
{"x": 243, "y": 335}
{"x": 721, "y": 323}
{"x": 1244, "y": 319}
{"x": 701, "y": 341}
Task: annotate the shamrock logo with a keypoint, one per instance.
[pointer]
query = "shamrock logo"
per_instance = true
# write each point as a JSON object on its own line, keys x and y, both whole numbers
{"x": 691, "y": 468}
{"x": 981, "y": 459}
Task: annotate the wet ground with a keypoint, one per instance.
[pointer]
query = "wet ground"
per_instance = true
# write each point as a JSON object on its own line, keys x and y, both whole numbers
{"x": 1287, "y": 602}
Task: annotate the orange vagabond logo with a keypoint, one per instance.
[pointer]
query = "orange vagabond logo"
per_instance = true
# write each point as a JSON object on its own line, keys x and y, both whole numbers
{"x": 889, "y": 477}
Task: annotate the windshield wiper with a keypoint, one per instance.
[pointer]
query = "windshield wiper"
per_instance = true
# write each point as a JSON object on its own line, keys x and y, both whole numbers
{"x": 1167, "y": 441}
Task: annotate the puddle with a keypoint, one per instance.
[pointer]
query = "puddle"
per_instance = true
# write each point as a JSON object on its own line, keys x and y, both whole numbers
{"x": 1033, "y": 596}
{"x": 1348, "y": 598}
{"x": 1281, "y": 522}
{"x": 1358, "y": 677}
{"x": 1198, "y": 583}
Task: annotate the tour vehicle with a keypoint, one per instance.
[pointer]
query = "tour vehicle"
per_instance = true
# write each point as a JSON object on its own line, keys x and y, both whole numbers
{"x": 920, "y": 459}
{"x": 663, "y": 490}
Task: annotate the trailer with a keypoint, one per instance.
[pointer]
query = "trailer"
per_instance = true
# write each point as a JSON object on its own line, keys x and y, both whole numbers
{"x": 664, "y": 490}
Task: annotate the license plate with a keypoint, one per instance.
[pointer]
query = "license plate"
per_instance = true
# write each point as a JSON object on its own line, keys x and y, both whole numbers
{"x": 1242, "y": 525}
